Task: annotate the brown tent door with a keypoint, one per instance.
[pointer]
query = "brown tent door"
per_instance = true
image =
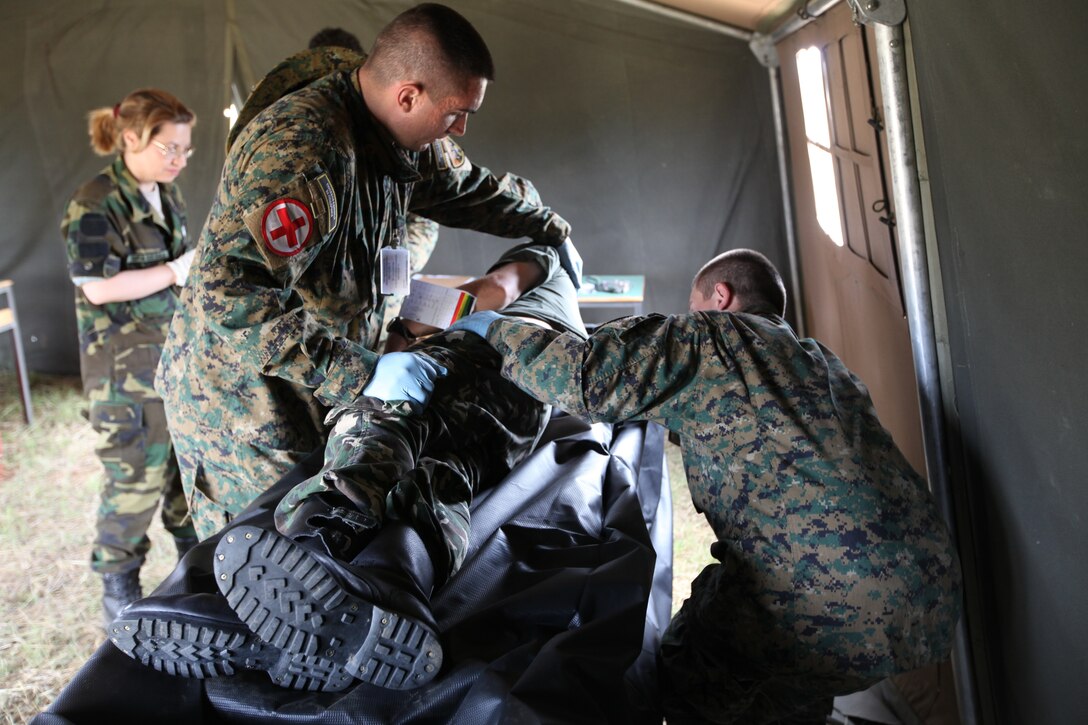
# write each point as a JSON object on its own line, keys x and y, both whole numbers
{"x": 852, "y": 301}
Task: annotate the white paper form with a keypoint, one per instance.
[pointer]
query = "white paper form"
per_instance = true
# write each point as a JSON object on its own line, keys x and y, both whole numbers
{"x": 435, "y": 305}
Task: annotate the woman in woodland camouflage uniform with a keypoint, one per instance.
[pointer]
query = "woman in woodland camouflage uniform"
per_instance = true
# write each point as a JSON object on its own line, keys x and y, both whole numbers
{"x": 128, "y": 255}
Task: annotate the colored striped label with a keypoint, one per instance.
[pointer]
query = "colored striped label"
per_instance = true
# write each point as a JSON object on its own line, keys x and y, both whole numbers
{"x": 462, "y": 308}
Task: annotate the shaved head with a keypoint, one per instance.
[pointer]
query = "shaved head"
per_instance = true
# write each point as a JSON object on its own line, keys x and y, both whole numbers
{"x": 434, "y": 46}
{"x": 754, "y": 280}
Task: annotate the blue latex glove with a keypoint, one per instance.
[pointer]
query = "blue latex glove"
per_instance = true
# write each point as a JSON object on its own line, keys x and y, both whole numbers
{"x": 404, "y": 376}
{"x": 571, "y": 261}
{"x": 477, "y": 322}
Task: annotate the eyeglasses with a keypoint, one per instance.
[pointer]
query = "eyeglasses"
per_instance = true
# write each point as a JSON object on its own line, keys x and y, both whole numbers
{"x": 172, "y": 151}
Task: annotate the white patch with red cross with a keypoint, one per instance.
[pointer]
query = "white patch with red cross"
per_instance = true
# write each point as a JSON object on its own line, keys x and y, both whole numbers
{"x": 286, "y": 226}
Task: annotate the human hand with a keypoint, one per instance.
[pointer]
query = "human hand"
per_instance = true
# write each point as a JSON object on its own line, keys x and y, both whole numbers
{"x": 571, "y": 261}
{"x": 180, "y": 267}
{"x": 405, "y": 376}
{"x": 477, "y": 322}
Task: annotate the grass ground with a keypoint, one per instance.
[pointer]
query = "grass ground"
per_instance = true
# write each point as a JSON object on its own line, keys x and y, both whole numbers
{"x": 49, "y": 480}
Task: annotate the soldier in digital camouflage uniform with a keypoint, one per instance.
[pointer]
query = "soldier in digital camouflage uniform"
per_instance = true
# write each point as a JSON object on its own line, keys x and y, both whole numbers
{"x": 384, "y": 464}
{"x": 835, "y": 568}
{"x": 125, "y": 232}
{"x": 298, "y": 71}
{"x": 283, "y": 310}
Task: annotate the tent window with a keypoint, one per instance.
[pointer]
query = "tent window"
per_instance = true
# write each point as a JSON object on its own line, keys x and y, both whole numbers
{"x": 814, "y": 103}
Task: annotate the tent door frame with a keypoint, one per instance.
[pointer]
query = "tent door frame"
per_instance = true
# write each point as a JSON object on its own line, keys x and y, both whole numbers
{"x": 920, "y": 276}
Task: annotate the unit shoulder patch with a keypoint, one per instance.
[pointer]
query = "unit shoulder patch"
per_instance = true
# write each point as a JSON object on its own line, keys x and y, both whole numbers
{"x": 325, "y": 192}
{"x": 447, "y": 154}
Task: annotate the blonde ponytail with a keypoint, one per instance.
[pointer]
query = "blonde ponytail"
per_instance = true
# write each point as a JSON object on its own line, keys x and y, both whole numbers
{"x": 143, "y": 111}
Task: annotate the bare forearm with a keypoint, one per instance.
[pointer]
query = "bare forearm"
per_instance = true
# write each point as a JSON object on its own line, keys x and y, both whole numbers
{"x": 131, "y": 284}
{"x": 501, "y": 286}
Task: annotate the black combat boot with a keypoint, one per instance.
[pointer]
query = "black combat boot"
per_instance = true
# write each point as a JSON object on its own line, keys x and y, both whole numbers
{"x": 296, "y": 598}
{"x": 184, "y": 544}
{"x": 199, "y": 635}
{"x": 331, "y": 521}
{"x": 119, "y": 589}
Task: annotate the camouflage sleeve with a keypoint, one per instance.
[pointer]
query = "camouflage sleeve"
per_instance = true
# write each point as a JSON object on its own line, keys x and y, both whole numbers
{"x": 92, "y": 241}
{"x": 254, "y": 302}
{"x": 421, "y": 236}
{"x": 633, "y": 368}
{"x": 457, "y": 193}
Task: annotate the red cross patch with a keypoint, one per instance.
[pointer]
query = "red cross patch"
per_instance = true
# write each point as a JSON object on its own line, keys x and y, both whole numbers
{"x": 286, "y": 227}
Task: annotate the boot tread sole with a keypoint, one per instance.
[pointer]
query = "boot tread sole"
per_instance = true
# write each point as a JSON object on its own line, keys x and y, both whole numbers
{"x": 174, "y": 646}
{"x": 289, "y": 599}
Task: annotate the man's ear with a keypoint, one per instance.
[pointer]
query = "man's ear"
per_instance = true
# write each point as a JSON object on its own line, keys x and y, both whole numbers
{"x": 724, "y": 292}
{"x": 408, "y": 96}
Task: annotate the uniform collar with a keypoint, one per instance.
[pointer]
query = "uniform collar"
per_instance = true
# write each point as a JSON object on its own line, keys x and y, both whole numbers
{"x": 130, "y": 189}
{"x": 378, "y": 144}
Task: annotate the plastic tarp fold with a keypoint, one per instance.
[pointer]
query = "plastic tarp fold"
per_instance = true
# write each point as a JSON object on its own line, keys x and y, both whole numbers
{"x": 554, "y": 618}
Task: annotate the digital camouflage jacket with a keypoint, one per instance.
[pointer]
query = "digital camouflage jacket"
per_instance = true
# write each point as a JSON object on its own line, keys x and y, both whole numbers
{"x": 300, "y": 70}
{"x": 827, "y": 530}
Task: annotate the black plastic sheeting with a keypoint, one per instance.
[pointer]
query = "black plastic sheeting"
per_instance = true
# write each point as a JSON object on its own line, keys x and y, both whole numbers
{"x": 554, "y": 618}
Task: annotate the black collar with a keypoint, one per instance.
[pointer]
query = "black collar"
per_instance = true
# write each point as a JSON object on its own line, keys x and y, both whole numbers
{"x": 373, "y": 140}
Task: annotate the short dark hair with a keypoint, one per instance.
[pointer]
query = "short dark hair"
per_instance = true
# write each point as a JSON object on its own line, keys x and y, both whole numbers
{"x": 432, "y": 44}
{"x": 753, "y": 279}
{"x": 337, "y": 38}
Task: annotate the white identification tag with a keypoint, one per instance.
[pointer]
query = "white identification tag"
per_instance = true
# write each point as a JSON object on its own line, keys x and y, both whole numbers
{"x": 396, "y": 270}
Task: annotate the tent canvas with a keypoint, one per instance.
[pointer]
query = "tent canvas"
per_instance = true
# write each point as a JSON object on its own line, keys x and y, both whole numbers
{"x": 654, "y": 139}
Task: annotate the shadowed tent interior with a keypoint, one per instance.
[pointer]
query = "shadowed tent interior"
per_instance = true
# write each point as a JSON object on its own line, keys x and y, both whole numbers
{"x": 654, "y": 137}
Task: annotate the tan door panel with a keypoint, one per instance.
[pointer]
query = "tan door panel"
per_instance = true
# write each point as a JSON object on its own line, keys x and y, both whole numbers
{"x": 852, "y": 297}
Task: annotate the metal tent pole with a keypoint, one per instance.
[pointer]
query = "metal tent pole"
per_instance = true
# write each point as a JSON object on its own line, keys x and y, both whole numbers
{"x": 691, "y": 19}
{"x": 775, "y": 76}
{"x": 804, "y": 15}
{"x": 764, "y": 50}
{"x": 887, "y": 18}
